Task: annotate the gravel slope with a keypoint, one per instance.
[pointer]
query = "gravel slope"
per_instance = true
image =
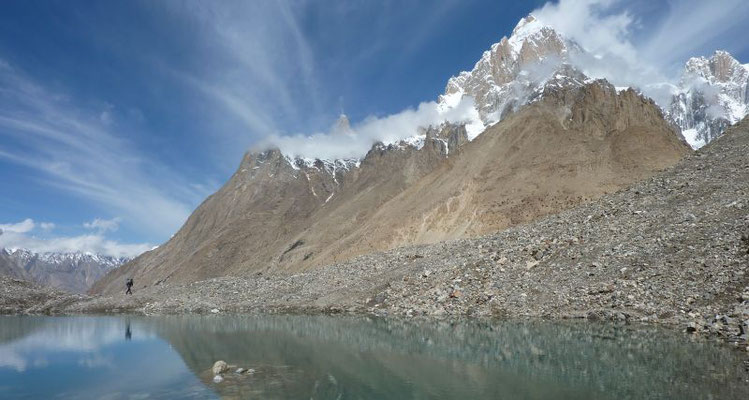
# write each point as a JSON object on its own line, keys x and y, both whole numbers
{"x": 18, "y": 296}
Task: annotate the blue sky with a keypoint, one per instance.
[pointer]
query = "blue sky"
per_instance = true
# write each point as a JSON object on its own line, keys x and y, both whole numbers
{"x": 118, "y": 118}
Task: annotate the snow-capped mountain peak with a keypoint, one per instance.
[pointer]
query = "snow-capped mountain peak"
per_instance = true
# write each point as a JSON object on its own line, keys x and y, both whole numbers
{"x": 73, "y": 257}
{"x": 721, "y": 67}
{"x": 71, "y": 271}
{"x": 508, "y": 74}
{"x": 342, "y": 126}
{"x": 713, "y": 93}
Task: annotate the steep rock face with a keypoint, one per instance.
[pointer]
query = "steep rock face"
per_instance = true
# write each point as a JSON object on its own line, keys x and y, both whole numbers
{"x": 575, "y": 142}
{"x": 275, "y": 212}
{"x": 713, "y": 93}
{"x": 545, "y": 158}
{"x": 71, "y": 272}
{"x": 506, "y": 74}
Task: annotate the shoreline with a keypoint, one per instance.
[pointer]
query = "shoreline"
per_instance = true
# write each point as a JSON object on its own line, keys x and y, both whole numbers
{"x": 63, "y": 304}
{"x": 670, "y": 326}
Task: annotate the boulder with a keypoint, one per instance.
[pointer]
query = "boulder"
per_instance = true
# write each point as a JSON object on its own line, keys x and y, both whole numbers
{"x": 219, "y": 367}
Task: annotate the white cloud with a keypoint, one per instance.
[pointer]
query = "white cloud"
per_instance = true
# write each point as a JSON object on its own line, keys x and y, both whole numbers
{"x": 20, "y": 235}
{"x": 24, "y": 226}
{"x": 92, "y": 243}
{"x": 103, "y": 225}
{"x": 629, "y": 54}
{"x": 590, "y": 24}
{"x": 362, "y": 136}
{"x": 696, "y": 27}
{"x": 106, "y": 115}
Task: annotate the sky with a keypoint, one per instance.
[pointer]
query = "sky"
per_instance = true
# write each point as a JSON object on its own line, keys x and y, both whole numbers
{"x": 117, "y": 119}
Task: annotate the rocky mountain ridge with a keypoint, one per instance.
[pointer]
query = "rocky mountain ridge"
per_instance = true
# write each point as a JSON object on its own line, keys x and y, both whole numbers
{"x": 573, "y": 143}
{"x": 72, "y": 272}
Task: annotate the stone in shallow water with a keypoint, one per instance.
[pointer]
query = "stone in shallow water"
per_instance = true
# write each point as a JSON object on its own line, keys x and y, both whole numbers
{"x": 218, "y": 379}
{"x": 219, "y": 367}
{"x": 239, "y": 370}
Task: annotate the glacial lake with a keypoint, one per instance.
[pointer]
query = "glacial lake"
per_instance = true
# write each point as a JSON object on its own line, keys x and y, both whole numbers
{"x": 323, "y": 357}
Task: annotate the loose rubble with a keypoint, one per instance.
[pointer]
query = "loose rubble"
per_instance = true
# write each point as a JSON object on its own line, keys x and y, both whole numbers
{"x": 18, "y": 296}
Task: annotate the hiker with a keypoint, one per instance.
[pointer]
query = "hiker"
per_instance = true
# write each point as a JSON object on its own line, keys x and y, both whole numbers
{"x": 129, "y": 285}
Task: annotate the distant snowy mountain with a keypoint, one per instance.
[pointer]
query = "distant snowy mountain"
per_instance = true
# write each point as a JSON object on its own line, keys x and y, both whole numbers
{"x": 713, "y": 93}
{"x": 73, "y": 272}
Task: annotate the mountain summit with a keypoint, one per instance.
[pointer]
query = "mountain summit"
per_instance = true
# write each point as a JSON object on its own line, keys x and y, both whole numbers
{"x": 506, "y": 75}
{"x": 713, "y": 93}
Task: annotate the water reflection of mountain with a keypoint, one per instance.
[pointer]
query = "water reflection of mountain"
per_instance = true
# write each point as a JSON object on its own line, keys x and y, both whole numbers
{"x": 336, "y": 357}
{"x": 323, "y": 357}
{"x": 15, "y": 327}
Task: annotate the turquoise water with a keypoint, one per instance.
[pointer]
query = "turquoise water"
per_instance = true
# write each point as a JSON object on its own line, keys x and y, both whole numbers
{"x": 296, "y": 357}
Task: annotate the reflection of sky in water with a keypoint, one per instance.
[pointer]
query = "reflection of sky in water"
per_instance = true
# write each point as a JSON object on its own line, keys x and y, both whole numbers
{"x": 355, "y": 358}
{"x": 59, "y": 335}
{"x": 84, "y": 357}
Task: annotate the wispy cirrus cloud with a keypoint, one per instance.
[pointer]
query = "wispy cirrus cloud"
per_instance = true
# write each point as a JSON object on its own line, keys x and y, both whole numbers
{"x": 259, "y": 68}
{"x": 73, "y": 150}
{"x": 695, "y": 27}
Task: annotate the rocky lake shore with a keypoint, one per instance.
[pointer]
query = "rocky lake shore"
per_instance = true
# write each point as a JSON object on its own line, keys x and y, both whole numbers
{"x": 672, "y": 250}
